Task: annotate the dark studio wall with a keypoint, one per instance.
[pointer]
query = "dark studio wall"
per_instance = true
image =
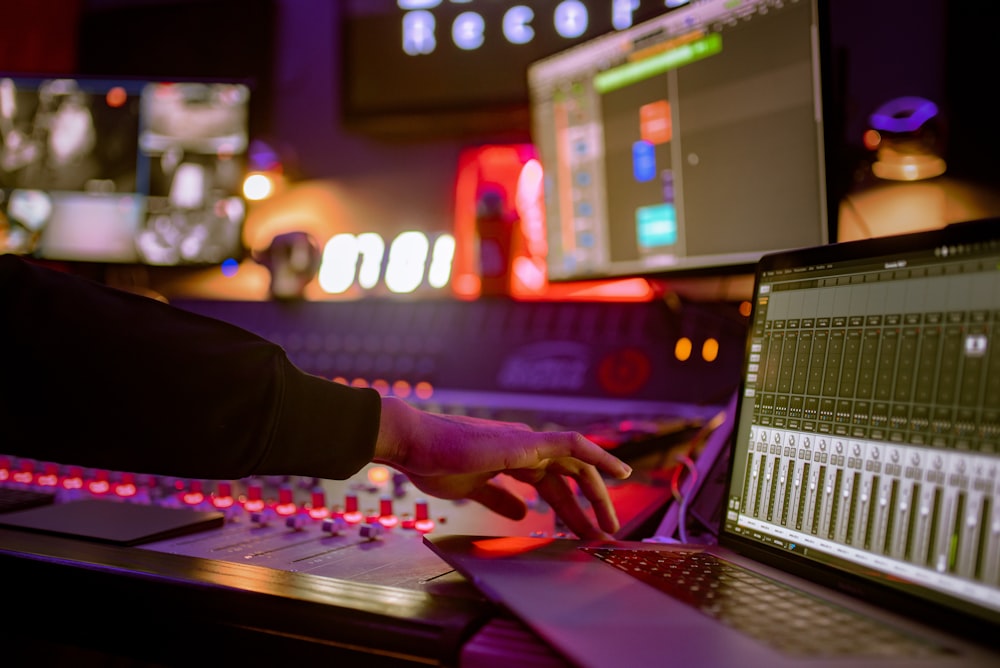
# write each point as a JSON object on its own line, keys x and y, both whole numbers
{"x": 880, "y": 50}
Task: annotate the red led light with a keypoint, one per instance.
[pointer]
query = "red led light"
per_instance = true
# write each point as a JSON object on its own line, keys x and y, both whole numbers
{"x": 254, "y": 503}
{"x": 223, "y": 497}
{"x": 194, "y": 495}
{"x": 51, "y": 476}
{"x": 351, "y": 513}
{"x": 386, "y": 517}
{"x": 126, "y": 486}
{"x": 317, "y": 507}
{"x": 99, "y": 485}
{"x": 286, "y": 503}
{"x": 422, "y": 522}
{"x": 74, "y": 479}
{"x": 26, "y": 474}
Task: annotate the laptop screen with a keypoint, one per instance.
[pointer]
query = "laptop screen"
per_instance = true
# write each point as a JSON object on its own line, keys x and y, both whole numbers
{"x": 867, "y": 436}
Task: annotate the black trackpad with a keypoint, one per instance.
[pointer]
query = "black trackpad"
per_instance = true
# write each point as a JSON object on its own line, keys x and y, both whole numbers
{"x": 113, "y": 521}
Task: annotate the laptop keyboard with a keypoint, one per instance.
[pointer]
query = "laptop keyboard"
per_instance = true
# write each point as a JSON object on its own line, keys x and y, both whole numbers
{"x": 787, "y": 619}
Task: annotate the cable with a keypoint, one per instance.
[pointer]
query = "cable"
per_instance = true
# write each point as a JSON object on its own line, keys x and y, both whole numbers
{"x": 682, "y": 499}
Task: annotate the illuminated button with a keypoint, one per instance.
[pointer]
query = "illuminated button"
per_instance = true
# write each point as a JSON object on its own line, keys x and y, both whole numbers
{"x": 422, "y": 521}
{"x": 73, "y": 479}
{"x": 4, "y": 469}
{"x": 100, "y": 484}
{"x": 194, "y": 495}
{"x": 286, "y": 503}
{"x": 49, "y": 477}
{"x": 351, "y": 513}
{"x": 25, "y": 474}
{"x": 317, "y": 506}
{"x": 125, "y": 487}
{"x": 223, "y": 496}
{"x": 386, "y": 517}
{"x": 254, "y": 502}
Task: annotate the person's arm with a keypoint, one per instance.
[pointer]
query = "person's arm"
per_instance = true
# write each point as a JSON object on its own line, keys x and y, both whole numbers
{"x": 99, "y": 377}
{"x": 103, "y": 378}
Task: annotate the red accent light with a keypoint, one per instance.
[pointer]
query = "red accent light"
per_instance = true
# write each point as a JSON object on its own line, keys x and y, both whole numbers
{"x": 51, "y": 476}
{"x": 126, "y": 486}
{"x": 26, "y": 474}
{"x": 99, "y": 485}
{"x": 386, "y": 517}
{"x": 317, "y": 506}
{"x": 286, "y": 502}
{"x": 254, "y": 503}
{"x": 351, "y": 513}
{"x": 73, "y": 480}
{"x": 422, "y": 521}
{"x": 223, "y": 496}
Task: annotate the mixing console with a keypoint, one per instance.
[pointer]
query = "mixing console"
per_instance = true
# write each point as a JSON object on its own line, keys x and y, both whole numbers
{"x": 350, "y": 552}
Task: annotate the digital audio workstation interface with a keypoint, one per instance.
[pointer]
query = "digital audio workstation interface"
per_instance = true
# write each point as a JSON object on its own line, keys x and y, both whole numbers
{"x": 872, "y": 412}
{"x": 691, "y": 141}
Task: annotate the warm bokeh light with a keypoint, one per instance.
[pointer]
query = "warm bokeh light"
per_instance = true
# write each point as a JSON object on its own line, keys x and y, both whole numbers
{"x": 710, "y": 349}
{"x": 682, "y": 349}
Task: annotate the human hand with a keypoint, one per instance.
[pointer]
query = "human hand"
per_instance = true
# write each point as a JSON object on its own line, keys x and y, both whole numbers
{"x": 457, "y": 457}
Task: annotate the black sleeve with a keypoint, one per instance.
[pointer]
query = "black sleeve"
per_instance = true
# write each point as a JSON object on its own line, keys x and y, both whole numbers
{"x": 99, "y": 377}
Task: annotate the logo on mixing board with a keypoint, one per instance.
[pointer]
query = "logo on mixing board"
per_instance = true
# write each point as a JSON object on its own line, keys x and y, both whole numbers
{"x": 552, "y": 365}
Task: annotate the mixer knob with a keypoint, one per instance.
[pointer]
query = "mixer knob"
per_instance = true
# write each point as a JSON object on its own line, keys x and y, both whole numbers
{"x": 254, "y": 502}
{"x": 223, "y": 497}
{"x": 334, "y": 525}
{"x": 317, "y": 504}
{"x": 422, "y": 521}
{"x": 25, "y": 474}
{"x": 371, "y": 530}
{"x": 100, "y": 484}
{"x": 286, "y": 502}
{"x": 351, "y": 513}
{"x": 194, "y": 495}
{"x": 386, "y": 516}
{"x": 295, "y": 522}
{"x": 49, "y": 476}
{"x": 125, "y": 487}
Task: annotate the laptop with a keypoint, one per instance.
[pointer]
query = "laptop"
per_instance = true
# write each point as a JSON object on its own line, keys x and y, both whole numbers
{"x": 860, "y": 518}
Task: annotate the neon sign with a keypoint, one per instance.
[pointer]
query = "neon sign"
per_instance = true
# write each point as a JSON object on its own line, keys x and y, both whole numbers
{"x": 412, "y": 261}
{"x": 468, "y": 31}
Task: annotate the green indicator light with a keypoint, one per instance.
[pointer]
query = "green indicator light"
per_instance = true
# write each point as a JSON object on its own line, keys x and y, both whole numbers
{"x": 622, "y": 76}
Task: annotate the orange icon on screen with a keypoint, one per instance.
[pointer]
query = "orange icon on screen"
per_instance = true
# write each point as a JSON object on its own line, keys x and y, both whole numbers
{"x": 654, "y": 122}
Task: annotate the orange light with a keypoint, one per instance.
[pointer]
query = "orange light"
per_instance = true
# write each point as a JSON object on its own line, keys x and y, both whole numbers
{"x": 116, "y": 97}
{"x": 509, "y": 545}
{"x": 378, "y": 475}
{"x": 381, "y": 386}
{"x": 745, "y": 308}
{"x": 401, "y": 389}
{"x": 682, "y": 349}
{"x": 710, "y": 350}
{"x": 359, "y": 382}
{"x": 424, "y": 390}
{"x": 871, "y": 139}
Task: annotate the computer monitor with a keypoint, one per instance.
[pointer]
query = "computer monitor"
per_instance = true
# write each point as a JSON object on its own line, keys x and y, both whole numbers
{"x": 690, "y": 143}
{"x": 122, "y": 170}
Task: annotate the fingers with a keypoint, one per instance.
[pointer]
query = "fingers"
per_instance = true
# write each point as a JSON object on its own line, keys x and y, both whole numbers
{"x": 559, "y": 495}
{"x": 572, "y": 444}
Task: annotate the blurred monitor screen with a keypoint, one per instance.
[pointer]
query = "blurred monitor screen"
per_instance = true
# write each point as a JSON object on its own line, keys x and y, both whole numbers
{"x": 122, "y": 171}
{"x": 692, "y": 142}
